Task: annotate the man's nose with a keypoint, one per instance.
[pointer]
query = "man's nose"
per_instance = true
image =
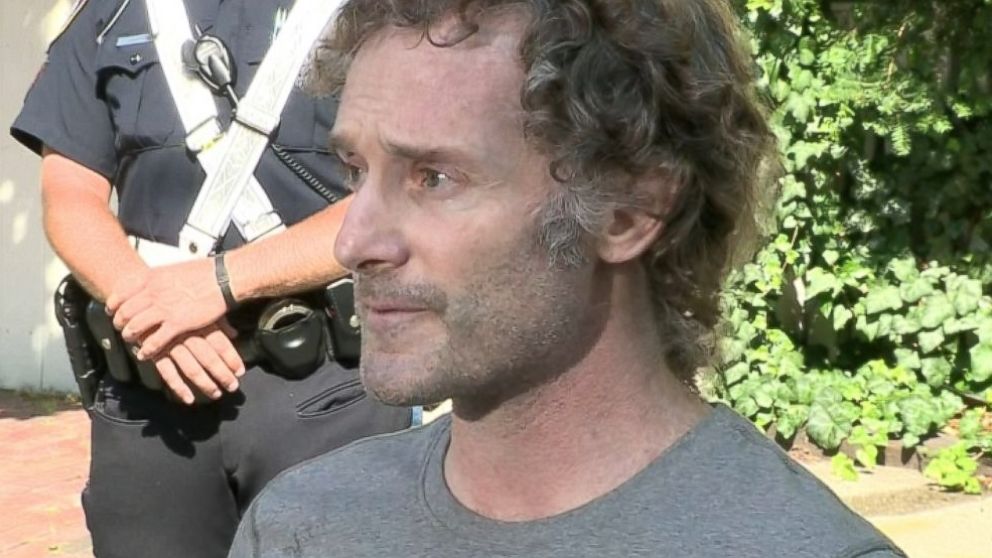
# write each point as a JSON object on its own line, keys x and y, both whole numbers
{"x": 370, "y": 237}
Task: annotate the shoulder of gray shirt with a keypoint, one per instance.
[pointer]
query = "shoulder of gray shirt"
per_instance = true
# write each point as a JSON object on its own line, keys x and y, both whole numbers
{"x": 770, "y": 492}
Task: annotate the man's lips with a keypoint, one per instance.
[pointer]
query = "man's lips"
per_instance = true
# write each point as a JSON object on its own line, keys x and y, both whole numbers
{"x": 380, "y": 314}
{"x": 386, "y": 305}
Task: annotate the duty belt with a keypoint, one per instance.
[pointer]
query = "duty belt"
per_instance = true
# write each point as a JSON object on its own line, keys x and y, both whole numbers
{"x": 288, "y": 337}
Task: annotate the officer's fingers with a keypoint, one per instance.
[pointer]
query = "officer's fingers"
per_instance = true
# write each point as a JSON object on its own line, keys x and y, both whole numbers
{"x": 170, "y": 376}
{"x": 207, "y": 356}
{"x": 158, "y": 340}
{"x": 226, "y": 327}
{"x": 225, "y": 349}
{"x": 143, "y": 322}
{"x": 193, "y": 372}
{"x": 129, "y": 309}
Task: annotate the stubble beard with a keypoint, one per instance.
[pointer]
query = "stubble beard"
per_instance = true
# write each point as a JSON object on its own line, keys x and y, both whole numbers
{"x": 514, "y": 326}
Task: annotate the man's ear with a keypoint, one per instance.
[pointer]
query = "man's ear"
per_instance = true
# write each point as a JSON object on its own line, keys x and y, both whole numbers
{"x": 630, "y": 231}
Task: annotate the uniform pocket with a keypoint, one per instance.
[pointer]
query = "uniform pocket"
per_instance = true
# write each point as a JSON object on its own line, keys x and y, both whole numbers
{"x": 133, "y": 85}
{"x": 124, "y": 403}
{"x": 332, "y": 400}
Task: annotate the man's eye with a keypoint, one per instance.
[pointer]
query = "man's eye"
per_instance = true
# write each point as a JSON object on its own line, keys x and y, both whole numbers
{"x": 432, "y": 179}
{"x": 353, "y": 176}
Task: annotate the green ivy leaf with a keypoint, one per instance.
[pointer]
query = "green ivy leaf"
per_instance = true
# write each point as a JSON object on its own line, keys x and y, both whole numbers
{"x": 981, "y": 362}
{"x": 953, "y": 468}
{"x": 831, "y": 256}
{"x": 906, "y": 325}
{"x": 843, "y": 467}
{"x": 957, "y": 325}
{"x": 936, "y": 370}
{"x": 970, "y": 425}
{"x": 791, "y": 419}
{"x": 853, "y": 390}
{"x": 792, "y": 189}
{"x": 984, "y": 330}
{"x": 746, "y": 406}
{"x": 907, "y": 358}
{"x": 867, "y": 456}
{"x": 880, "y": 385}
{"x": 935, "y": 310}
{"x": 754, "y": 5}
{"x": 967, "y": 296}
{"x": 918, "y": 416}
{"x": 736, "y": 373}
{"x": 819, "y": 281}
{"x": 764, "y": 396}
{"x": 930, "y": 340}
{"x": 868, "y": 329}
{"x": 881, "y": 299}
{"x": 914, "y": 291}
{"x": 829, "y": 424}
{"x": 841, "y": 316}
{"x": 905, "y": 269}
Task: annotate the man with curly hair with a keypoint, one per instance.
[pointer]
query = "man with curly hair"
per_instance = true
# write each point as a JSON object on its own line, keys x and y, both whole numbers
{"x": 547, "y": 198}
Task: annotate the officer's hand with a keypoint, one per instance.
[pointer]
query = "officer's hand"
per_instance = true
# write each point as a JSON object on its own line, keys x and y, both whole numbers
{"x": 207, "y": 361}
{"x": 160, "y": 304}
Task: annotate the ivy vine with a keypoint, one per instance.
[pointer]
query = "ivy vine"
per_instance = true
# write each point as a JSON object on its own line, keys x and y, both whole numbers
{"x": 867, "y": 317}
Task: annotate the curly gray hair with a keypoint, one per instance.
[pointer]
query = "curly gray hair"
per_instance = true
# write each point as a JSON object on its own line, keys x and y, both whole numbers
{"x": 615, "y": 91}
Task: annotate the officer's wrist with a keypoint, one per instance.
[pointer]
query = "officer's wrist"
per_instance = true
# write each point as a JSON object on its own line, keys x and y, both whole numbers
{"x": 224, "y": 281}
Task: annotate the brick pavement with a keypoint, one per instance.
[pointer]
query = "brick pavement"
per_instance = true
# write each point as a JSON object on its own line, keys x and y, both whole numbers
{"x": 43, "y": 468}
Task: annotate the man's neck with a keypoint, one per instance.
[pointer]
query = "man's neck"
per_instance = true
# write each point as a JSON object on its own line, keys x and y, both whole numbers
{"x": 575, "y": 439}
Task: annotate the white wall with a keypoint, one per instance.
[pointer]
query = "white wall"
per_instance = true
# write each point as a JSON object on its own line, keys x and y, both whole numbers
{"x": 32, "y": 354}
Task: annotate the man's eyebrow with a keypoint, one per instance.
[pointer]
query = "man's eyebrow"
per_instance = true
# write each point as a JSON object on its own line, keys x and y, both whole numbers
{"x": 338, "y": 142}
{"x": 439, "y": 153}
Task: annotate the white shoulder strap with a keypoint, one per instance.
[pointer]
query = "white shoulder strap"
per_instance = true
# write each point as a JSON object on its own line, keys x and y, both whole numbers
{"x": 233, "y": 156}
{"x": 170, "y": 27}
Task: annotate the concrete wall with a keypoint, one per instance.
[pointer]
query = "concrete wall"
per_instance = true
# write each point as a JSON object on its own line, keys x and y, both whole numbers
{"x": 32, "y": 354}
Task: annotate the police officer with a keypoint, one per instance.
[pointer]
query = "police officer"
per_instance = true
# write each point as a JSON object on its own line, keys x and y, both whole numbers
{"x": 169, "y": 477}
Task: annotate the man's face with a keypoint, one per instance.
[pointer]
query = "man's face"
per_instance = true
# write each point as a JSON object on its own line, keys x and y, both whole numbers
{"x": 456, "y": 294}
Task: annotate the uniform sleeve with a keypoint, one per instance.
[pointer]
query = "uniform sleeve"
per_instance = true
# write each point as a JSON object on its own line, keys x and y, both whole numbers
{"x": 63, "y": 109}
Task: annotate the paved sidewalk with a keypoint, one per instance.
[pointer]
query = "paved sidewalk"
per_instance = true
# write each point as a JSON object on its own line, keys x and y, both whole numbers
{"x": 43, "y": 468}
{"x": 44, "y": 462}
{"x": 922, "y": 520}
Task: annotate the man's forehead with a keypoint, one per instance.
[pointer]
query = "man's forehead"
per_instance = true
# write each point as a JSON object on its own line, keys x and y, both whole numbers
{"x": 487, "y": 58}
{"x": 475, "y": 78}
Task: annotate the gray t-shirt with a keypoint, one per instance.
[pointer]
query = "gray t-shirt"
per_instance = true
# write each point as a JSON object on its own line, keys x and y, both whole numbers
{"x": 723, "y": 490}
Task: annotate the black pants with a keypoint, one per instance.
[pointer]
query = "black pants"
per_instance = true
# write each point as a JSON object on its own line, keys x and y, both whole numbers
{"x": 169, "y": 481}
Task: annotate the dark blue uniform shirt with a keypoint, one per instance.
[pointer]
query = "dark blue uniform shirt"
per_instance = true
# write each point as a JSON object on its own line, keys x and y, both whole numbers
{"x": 108, "y": 108}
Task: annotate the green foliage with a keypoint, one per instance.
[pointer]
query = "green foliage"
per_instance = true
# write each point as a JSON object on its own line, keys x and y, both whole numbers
{"x": 843, "y": 467}
{"x": 954, "y": 469}
{"x": 867, "y": 316}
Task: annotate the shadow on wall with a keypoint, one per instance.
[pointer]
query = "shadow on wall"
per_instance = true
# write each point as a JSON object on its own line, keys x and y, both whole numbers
{"x": 32, "y": 354}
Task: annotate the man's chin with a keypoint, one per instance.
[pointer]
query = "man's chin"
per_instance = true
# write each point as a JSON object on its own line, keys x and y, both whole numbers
{"x": 398, "y": 381}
